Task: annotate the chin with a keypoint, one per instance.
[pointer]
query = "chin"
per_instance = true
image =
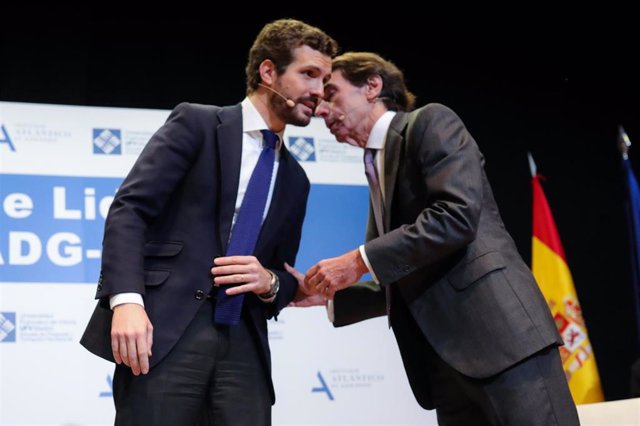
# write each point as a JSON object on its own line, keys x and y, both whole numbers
{"x": 297, "y": 118}
{"x": 300, "y": 121}
{"x": 341, "y": 137}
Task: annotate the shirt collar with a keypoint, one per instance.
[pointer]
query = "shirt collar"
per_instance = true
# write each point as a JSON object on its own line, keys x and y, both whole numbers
{"x": 378, "y": 134}
{"x": 252, "y": 122}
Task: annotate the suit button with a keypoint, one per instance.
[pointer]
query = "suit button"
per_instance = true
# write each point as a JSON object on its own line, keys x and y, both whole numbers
{"x": 199, "y": 295}
{"x": 99, "y": 286}
{"x": 406, "y": 268}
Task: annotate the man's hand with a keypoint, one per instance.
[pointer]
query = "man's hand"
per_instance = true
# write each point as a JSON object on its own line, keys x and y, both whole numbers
{"x": 334, "y": 274}
{"x": 304, "y": 297}
{"x": 244, "y": 271}
{"x": 131, "y": 337}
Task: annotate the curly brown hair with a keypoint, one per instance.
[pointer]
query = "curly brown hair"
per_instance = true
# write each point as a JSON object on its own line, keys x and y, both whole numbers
{"x": 277, "y": 40}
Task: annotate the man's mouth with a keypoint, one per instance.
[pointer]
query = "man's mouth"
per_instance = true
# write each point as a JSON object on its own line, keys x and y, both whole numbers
{"x": 309, "y": 104}
{"x": 333, "y": 126}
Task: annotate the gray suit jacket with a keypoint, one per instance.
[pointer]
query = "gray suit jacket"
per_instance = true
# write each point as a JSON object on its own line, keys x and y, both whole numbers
{"x": 448, "y": 254}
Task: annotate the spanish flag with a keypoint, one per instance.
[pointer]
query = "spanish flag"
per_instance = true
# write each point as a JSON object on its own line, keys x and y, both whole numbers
{"x": 549, "y": 265}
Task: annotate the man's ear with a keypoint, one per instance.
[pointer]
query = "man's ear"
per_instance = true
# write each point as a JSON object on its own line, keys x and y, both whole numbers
{"x": 267, "y": 72}
{"x": 374, "y": 87}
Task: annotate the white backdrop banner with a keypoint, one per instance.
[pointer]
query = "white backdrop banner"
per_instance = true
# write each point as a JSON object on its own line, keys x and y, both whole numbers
{"x": 60, "y": 167}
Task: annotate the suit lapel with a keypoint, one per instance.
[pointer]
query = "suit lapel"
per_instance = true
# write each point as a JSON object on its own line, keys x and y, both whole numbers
{"x": 229, "y": 135}
{"x": 392, "y": 149}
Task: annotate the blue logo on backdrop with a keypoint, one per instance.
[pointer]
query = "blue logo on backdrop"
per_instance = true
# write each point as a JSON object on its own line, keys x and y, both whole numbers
{"x": 52, "y": 227}
{"x": 5, "y": 139}
{"x": 302, "y": 148}
{"x": 107, "y": 141}
{"x": 323, "y": 387}
{"x": 109, "y": 393}
{"x": 7, "y": 327}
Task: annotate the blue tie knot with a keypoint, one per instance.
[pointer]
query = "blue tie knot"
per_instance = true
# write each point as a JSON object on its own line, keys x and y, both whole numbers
{"x": 270, "y": 138}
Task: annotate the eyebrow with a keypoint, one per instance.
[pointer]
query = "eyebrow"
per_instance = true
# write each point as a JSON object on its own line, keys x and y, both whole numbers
{"x": 312, "y": 67}
{"x": 329, "y": 91}
{"x": 330, "y": 87}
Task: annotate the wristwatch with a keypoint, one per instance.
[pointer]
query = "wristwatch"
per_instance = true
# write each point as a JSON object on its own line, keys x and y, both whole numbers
{"x": 275, "y": 286}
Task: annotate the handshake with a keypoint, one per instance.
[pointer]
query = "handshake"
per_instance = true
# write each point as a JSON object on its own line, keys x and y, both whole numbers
{"x": 325, "y": 278}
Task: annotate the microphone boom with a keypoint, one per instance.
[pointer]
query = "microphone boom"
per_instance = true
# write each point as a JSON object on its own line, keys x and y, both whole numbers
{"x": 290, "y": 103}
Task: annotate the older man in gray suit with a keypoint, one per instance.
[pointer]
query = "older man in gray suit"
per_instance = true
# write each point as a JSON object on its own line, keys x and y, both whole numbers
{"x": 476, "y": 337}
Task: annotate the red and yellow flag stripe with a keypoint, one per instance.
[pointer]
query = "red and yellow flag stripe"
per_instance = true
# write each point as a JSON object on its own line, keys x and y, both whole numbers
{"x": 550, "y": 269}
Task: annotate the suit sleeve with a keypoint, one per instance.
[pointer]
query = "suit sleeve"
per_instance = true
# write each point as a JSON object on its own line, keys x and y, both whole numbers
{"x": 163, "y": 163}
{"x": 362, "y": 301}
{"x": 450, "y": 167}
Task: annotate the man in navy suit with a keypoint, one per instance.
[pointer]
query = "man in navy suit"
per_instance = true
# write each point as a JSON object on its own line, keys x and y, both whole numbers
{"x": 166, "y": 237}
{"x": 476, "y": 336}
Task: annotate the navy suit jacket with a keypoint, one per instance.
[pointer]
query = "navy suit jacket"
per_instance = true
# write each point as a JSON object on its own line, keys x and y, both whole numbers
{"x": 172, "y": 216}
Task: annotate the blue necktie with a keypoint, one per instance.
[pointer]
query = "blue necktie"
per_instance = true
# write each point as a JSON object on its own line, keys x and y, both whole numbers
{"x": 378, "y": 209}
{"x": 244, "y": 234}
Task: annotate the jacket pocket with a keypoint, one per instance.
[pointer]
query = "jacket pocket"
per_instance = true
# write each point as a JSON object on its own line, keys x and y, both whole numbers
{"x": 465, "y": 275}
{"x": 162, "y": 248}
{"x": 155, "y": 277}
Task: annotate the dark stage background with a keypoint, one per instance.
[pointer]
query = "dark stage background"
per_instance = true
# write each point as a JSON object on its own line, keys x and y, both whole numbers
{"x": 541, "y": 81}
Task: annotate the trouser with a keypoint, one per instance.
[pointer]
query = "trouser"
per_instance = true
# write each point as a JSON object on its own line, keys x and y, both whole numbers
{"x": 213, "y": 376}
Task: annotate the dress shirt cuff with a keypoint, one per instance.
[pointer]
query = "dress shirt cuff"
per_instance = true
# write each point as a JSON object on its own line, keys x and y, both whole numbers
{"x": 330, "y": 312}
{"x": 122, "y": 298}
{"x": 363, "y": 253}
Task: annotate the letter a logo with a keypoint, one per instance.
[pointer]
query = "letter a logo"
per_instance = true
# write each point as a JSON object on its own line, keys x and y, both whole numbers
{"x": 4, "y": 138}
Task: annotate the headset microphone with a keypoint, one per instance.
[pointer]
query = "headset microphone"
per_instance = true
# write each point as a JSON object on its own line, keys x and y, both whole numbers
{"x": 290, "y": 103}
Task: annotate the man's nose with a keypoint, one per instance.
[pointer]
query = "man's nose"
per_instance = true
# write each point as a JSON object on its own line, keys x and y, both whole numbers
{"x": 323, "y": 109}
{"x": 317, "y": 89}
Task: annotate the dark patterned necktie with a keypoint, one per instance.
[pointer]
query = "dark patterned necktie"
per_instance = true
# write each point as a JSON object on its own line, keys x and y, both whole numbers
{"x": 378, "y": 209}
{"x": 244, "y": 234}
{"x": 374, "y": 188}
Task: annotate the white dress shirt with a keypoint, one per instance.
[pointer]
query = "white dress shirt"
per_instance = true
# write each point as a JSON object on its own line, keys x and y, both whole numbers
{"x": 377, "y": 139}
